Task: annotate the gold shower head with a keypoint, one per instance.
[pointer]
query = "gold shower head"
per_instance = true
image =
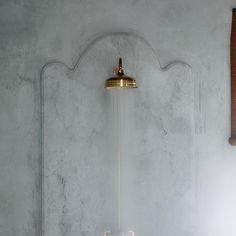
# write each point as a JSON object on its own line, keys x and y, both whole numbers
{"x": 120, "y": 80}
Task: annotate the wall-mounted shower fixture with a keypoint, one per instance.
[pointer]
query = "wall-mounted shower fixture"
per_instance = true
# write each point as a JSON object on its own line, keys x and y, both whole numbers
{"x": 120, "y": 80}
{"x": 123, "y": 142}
{"x": 119, "y": 89}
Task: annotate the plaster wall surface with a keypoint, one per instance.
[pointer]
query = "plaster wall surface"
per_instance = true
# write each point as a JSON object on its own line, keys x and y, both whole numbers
{"x": 201, "y": 178}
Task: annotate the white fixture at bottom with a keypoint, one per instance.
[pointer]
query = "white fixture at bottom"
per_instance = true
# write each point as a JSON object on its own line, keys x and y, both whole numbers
{"x": 129, "y": 233}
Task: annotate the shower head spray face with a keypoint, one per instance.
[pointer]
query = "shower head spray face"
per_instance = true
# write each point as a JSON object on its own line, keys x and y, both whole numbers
{"x": 120, "y": 80}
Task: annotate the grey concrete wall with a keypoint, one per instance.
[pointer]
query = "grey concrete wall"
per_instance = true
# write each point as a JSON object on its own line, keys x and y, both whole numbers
{"x": 192, "y": 183}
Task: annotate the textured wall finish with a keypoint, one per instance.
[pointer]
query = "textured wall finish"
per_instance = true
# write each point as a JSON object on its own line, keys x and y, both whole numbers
{"x": 80, "y": 163}
{"x": 190, "y": 170}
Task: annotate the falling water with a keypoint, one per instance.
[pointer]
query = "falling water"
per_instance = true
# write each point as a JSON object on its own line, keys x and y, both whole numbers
{"x": 122, "y": 122}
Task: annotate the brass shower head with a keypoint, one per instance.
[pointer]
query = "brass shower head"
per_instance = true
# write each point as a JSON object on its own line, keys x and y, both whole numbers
{"x": 120, "y": 80}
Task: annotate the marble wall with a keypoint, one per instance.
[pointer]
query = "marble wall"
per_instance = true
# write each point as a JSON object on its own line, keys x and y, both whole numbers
{"x": 178, "y": 172}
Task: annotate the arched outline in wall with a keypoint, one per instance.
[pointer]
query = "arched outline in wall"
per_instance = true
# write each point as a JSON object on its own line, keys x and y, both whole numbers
{"x": 73, "y": 68}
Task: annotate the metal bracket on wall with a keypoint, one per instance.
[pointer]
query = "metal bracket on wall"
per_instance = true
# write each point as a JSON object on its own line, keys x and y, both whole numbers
{"x": 232, "y": 139}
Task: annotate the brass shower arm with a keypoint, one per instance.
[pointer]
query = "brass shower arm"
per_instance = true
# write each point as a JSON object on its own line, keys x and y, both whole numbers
{"x": 120, "y": 70}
